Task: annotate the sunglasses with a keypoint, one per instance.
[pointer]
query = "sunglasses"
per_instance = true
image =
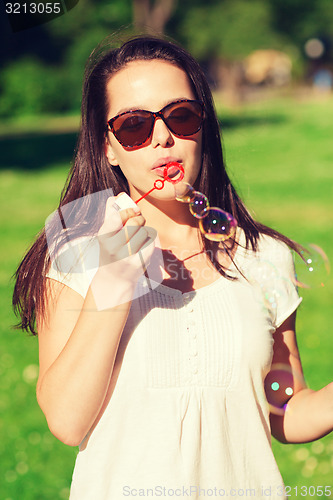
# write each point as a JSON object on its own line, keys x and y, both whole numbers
{"x": 134, "y": 128}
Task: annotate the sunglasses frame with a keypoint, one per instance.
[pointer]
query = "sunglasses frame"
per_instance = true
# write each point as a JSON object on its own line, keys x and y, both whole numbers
{"x": 157, "y": 114}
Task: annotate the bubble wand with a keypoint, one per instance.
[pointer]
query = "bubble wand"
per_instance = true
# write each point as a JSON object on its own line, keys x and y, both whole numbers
{"x": 159, "y": 184}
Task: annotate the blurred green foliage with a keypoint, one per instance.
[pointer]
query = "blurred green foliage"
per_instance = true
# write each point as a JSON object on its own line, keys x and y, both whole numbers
{"x": 235, "y": 29}
{"x": 29, "y": 87}
{"x": 43, "y": 67}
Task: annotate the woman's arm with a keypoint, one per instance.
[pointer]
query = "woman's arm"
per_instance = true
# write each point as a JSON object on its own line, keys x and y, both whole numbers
{"x": 77, "y": 348}
{"x": 78, "y": 340}
{"x": 308, "y": 414}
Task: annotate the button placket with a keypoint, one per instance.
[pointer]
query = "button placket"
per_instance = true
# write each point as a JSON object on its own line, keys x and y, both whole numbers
{"x": 191, "y": 329}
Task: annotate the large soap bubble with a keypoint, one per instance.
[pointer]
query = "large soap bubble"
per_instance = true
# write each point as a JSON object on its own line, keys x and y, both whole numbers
{"x": 312, "y": 268}
{"x": 217, "y": 225}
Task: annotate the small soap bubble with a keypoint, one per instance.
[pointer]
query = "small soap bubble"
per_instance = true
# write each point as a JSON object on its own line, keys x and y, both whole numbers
{"x": 198, "y": 204}
{"x": 279, "y": 387}
{"x": 270, "y": 289}
{"x": 217, "y": 225}
{"x": 184, "y": 192}
{"x": 262, "y": 272}
{"x": 263, "y": 275}
{"x": 313, "y": 268}
{"x": 276, "y": 294}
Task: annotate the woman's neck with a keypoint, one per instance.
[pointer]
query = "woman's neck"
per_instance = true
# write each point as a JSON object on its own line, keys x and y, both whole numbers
{"x": 170, "y": 218}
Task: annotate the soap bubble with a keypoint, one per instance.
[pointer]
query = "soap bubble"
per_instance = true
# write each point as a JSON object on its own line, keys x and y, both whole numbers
{"x": 263, "y": 274}
{"x": 217, "y": 225}
{"x": 313, "y": 268}
{"x": 184, "y": 192}
{"x": 280, "y": 385}
{"x": 270, "y": 289}
{"x": 198, "y": 204}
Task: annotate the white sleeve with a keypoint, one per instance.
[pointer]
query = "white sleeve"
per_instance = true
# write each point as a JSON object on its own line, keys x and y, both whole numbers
{"x": 281, "y": 291}
{"x": 289, "y": 300}
{"x": 76, "y": 264}
{"x": 271, "y": 272}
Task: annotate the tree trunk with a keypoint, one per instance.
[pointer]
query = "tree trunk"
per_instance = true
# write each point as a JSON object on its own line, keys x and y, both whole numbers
{"x": 152, "y": 16}
{"x": 229, "y": 79}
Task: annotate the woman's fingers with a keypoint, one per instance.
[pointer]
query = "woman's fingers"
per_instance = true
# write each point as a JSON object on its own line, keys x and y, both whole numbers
{"x": 119, "y": 238}
{"x": 126, "y": 248}
{"x": 122, "y": 233}
{"x": 135, "y": 238}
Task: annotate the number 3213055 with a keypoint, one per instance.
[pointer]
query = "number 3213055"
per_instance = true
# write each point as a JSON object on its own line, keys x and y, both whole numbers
{"x": 304, "y": 491}
{"x": 34, "y": 8}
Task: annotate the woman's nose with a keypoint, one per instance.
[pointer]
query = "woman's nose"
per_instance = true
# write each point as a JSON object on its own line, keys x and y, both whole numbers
{"x": 161, "y": 135}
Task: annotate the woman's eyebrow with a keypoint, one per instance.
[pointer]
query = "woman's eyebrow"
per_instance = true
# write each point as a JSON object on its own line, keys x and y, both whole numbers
{"x": 144, "y": 108}
{"x": 128, "y": 108}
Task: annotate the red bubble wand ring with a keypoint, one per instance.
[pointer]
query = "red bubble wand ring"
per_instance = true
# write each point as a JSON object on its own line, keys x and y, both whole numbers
{"x": 159, "y": 184}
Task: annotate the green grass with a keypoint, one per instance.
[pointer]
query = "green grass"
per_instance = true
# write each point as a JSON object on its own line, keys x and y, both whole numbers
{"x": 279, "y": 154}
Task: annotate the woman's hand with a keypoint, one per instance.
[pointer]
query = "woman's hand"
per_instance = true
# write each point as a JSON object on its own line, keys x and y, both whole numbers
{"x": 126, "y": 247}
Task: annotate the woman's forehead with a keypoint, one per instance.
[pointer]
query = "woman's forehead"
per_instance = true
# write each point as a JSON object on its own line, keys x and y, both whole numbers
{"x": 147, "y": 85}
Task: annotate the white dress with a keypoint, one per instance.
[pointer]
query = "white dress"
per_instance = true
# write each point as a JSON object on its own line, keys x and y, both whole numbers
{"x": 188, "y": 416}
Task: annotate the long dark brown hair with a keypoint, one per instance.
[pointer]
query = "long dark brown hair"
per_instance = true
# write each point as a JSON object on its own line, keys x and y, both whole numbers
{"x": 91, "y": 172}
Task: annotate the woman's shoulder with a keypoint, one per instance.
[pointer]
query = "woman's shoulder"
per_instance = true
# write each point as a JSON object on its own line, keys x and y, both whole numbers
{"x": 75, "y": 263}
{"x": 269, "y": 249}
{"x": 75, "y": 255}
{"x": 274, "y": 247}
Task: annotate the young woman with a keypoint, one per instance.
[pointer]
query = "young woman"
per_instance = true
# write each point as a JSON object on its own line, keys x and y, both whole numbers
{"x": 164, "y": 389}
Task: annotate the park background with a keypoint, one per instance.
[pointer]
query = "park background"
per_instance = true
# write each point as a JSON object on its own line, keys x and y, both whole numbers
{"x": 277, "y": 133}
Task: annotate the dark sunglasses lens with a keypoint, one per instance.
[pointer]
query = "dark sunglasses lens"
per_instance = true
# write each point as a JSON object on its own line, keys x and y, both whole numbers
{"x": 184, "y": 118}
{"x": 133, "y": 129}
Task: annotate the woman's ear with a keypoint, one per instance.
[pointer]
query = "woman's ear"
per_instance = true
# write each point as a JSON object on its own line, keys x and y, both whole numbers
{"x": 109, "y": 153}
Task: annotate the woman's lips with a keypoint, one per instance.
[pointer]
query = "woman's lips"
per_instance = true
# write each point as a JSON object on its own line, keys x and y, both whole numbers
{"x": 159, "y": 171}
{"x": 172, "y": 171}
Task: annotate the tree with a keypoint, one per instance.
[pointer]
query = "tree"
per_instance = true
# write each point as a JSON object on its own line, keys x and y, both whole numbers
{"x": 152, "y": 16}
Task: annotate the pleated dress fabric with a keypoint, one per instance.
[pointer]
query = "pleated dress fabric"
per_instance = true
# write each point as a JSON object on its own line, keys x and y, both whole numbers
{"x": 188, "y": 416}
